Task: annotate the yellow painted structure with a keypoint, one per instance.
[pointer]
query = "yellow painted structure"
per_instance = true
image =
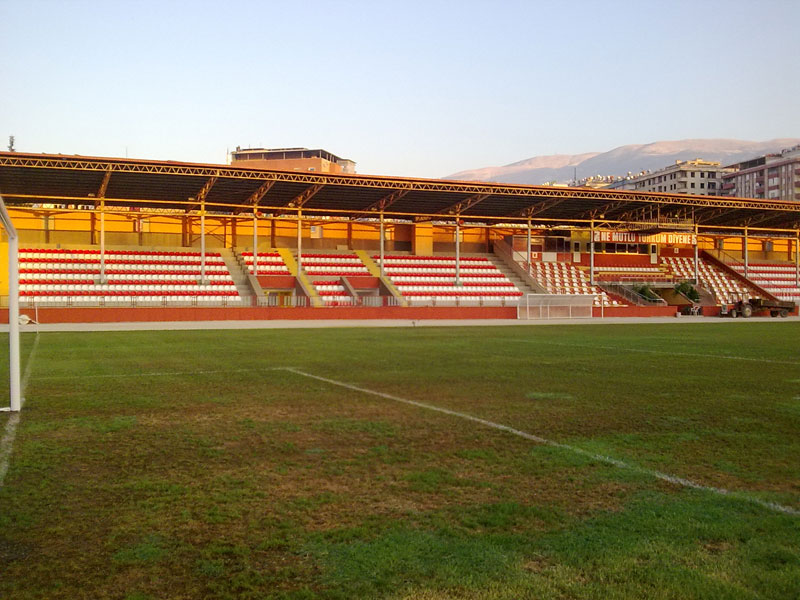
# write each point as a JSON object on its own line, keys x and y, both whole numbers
{"x": 422, "y": 242}
{"x": 4, "y": 268}
{"x": 76, "y": 228}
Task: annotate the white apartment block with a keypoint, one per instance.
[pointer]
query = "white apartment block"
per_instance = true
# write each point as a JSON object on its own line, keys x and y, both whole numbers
{"x": 772, "y": 177}
{"x": 698, "y": 177}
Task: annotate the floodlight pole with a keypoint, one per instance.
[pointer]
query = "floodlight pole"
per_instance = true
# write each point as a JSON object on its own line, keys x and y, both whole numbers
{"x": 13, "y": 309}
{"x": 458, "y": 250}
{"x": 255, "y": 243}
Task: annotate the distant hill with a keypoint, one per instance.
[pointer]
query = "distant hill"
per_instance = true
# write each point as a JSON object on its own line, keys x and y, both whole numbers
{"x": 619, "y": 161}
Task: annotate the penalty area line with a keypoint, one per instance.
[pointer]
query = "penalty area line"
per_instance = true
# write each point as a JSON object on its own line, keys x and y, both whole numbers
{"x": 674, "y": 480}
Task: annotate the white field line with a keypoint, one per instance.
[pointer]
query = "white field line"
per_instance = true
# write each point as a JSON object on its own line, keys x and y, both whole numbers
{"x": 649, "y": 351}
{"x": 26, "y": 375}
{"x": 680, "y": 481}
{"x": 7, "y": 443}
{"x": 159, "y": 373}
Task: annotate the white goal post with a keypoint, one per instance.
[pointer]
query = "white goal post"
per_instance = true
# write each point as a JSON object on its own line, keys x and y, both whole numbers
{"x": 13, "y": 310}
{"x": 556, "y": 306}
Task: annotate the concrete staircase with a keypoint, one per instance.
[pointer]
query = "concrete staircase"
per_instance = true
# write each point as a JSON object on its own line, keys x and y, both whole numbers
{"x": 509, "y": 272}
{"x": 375, "y": 271}
{"x": 238, "y": 271}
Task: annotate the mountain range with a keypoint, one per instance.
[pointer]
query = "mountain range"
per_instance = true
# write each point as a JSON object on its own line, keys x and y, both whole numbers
{"x": 620, "y": 161}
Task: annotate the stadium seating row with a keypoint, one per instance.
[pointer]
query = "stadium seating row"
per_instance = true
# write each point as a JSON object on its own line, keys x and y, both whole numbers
{"x": 565, "y": 278}
{"x": 333, "y": 265}
{"x": 332, "y": 293}
{"x": 725, "y": 289}
{"x": 60, "y": 275}
{"x": 41, "y": 252}
{"x": 779, "y": 279}
{"x": 610, "y": 272}
{"x": 433, "y": 278}
{"x": 269, "y": 263}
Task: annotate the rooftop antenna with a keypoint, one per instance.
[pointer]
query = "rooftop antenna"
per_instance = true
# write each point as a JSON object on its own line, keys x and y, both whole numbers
{"x": 11, "y": 144}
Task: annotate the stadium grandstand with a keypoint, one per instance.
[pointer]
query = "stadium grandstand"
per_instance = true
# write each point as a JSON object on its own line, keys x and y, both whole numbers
{"x": 109, "y": 239}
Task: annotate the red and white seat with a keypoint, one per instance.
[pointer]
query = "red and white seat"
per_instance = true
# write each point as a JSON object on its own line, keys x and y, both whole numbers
{"x": 333, "y": 293}
{"x": 565, "y": 278}
{"x": 342, "y": 265}
{"x": 49, "y": 275}
{"x": 423, "y": 279}
{"x": 725, "y": 289}
{"x": 269, "y": 263}
{"x": 779, "y": 279}
{"x": 631, "y": 273}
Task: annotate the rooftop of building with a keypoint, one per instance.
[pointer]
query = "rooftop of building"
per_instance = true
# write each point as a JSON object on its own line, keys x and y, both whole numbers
{"x": 284, "y": 153}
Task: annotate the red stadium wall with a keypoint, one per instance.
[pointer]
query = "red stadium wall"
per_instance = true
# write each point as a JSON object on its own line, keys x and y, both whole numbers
{"x": 364, "y": 283}
{"x": 635, "y": 311}
{"x": 125, "y": 315}
{"x": 160, "y": 314}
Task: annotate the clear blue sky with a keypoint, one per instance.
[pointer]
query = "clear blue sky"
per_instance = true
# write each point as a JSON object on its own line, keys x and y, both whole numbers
{"x": 403, "y": 88}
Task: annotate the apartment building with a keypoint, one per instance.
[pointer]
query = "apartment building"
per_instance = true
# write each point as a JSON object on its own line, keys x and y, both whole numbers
{"x": 772, "y": 177}
{"x": 698, "y": 177}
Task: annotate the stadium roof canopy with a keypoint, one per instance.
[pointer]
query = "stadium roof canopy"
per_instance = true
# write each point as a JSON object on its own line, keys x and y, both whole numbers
{"x": 28, "y": 179}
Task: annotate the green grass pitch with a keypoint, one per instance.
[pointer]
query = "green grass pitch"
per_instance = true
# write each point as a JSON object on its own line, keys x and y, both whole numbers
{"x": 152, "y": 465}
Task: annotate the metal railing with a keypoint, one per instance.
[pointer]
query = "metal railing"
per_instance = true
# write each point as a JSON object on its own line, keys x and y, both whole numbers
{"x": 631, "y": 295}
{"x": 282, "y": 301}
{"x": 267, "y": 301}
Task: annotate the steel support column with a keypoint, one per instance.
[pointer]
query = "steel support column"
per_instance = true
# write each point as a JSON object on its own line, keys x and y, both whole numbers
{"x": 745, "y": 253}
{"x": 696, "y": 258}
{"x": 458, "y": 251}
{"x": 591, "y": 252}
{"x": 203, "y": 242}
{"x": 299, "y": 241}
{"x": 102, "y": 241}
{"x": 797, "y": 259}
{"x": 528, "y": 264}
{"x": 382, "y": 243}
{"x": 255, "y": 243}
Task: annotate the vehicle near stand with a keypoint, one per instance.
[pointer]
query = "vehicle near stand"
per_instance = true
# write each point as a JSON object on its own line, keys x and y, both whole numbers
{"x": 748, "y": 308}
